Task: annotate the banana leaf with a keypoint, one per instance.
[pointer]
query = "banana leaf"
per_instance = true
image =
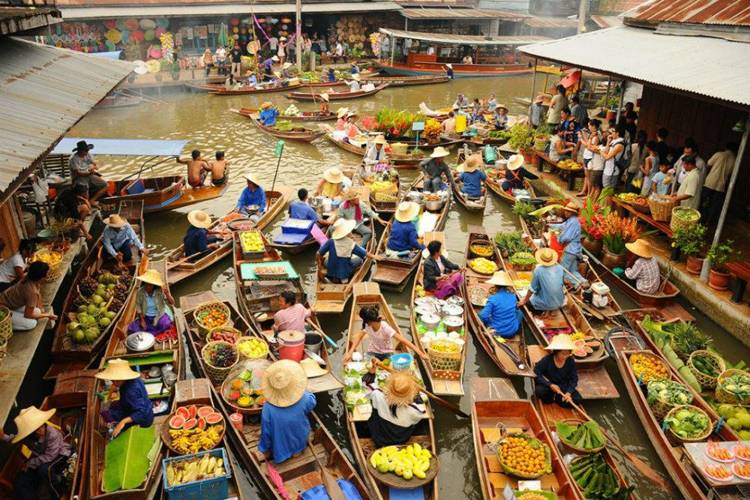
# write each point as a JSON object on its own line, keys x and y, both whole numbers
{"x": 128, "y": 457}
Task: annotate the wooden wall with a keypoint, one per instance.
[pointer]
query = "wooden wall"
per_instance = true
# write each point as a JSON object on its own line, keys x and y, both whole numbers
{"x": 9, "y": 227}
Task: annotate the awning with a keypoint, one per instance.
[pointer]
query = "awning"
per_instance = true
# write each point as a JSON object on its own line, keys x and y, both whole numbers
{"x": 114, "y": 55}
{"x": 713, "y": 67}
{"x": 550, "y": 22}
{"x": 123, "y": 147}
{"x": 44, "y": 91}
{"x": 463, "y": 39}
{"x": 432, "y": 13}
{"x": 140, "y": 11}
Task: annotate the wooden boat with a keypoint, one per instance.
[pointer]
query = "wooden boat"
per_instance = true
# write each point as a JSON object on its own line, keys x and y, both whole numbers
{"x": 305, "y": 116}
{"x": 162, "y": 353}
{"x": 430, "y": 68}
{"x": 331, "y": 298}
{"x": 407, "y": 81}
{"x": 307, "y": 244}
{"x": 70, "y": 398}
{"x": 384, "y": 208}
{"x": 299, "y": 473}
{"x": 247, "y": 90}
{"x": 367, "y": 295}
{"x": 301, "y": 134}
{"x": 309, "y": 84}
{"x": 495, "y": 185}
{"x": 676, "y": 459}
{"x": 68, "y": 355}
{"x": 179, "y": 268}
{"x": 161, "y": 193}
{"x": 510, "y": 356}
{"x": 470, "y": 204}
{"x": 335, "y": 96}
{"x": 401, "y": 161}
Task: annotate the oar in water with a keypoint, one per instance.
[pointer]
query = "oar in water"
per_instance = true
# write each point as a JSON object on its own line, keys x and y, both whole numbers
{"x": 331, "y": 485}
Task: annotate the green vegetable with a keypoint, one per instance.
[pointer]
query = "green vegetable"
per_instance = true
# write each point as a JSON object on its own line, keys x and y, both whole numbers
{"x": 686, "y": 337}
{"x": 596, "y": 478}
{"x": 510, "y": 242}
{"x": 523, "y": 209}
{"x": 739, "y": 385}
{"x": 128, "y": 457}
{"x": 669, "y": 392}
{"x": 585, "y": 436}
{"x": 521, "y": 136}
{"x": 688, "y": 423}
{"x": 523, "y": 259}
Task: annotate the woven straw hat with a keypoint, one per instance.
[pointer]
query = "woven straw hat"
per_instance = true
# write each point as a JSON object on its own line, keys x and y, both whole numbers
{"x": 199, "y": 218}
{"x": 500, "y": 278}
{"x": 546, "y": 257}
{"x": 472, "y": 163}
{"x": 341, "y": 112}
{"x": 355, "y": 77}
{"x": 312, "y": 369}
{"x": 439, "y": 152}
{"x": 641, "y": 248}
{"x": 380, "y": 140}
{"x": 115, "y": 220}
{"x": 266, "y": 105}
{"x": 342, "y": 227}
{"x": 286, "y": 65}
{"x": 571, "y": 207}
{"x": 251, "y": 178}
{"x": 29, "y": 420}
{"x": 275, "y": 58}
{"x": 561, "y": 342}
{"x": 284, "y": 383}
{"x": 353, "y": 193}
{"x": 515, "y": 162}
{"x": 324, "y": 96}
{"x": 333, "y": 175}
{"x": 151, "y": 276}
{"x": 400, "y": 389}
{"x": 117, "y": 369}
{"x": 406, "y": 211}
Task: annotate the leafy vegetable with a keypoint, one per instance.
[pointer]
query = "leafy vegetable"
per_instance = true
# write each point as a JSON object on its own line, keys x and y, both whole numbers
{"x": 521, "y": 136}
{"x": 585, "y": 436}
{"x": 688, "y": 423}
{"x": 596, "y": 479}
{"x": 686, "y": 337}
{"x": 739, "y": 385}
{"x": 668, "y": 391}
{"x": 128, "y": 457}
{"x": 523, "y": 209}
{"x": 510, "y": 242}
{"x": 522, "y": 259}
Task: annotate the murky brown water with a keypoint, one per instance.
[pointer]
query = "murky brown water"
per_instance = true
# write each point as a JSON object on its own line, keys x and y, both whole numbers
{"x": 208, "y": 124}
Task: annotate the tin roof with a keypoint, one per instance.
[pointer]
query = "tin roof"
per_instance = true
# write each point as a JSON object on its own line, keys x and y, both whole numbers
{"x": 710, "y": 67}
{"x": 448, "y": 13}
{"x": 550, "y": 22}
{"x": 44, "y": 91}
{"x": 723, "y": 12}
{"x": 463, "y": 39}
{"x": 606, "y": 21}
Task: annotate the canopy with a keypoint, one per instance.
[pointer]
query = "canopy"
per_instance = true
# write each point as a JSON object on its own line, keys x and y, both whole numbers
{"x": 123, "y": 147}
{"x": 115, "y": 54}
{"x": 463, "y": 39}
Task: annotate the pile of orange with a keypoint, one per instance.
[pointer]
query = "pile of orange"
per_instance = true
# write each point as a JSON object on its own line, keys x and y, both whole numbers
{"x": 214, "y": 318}
{"x": 524, "y": 456}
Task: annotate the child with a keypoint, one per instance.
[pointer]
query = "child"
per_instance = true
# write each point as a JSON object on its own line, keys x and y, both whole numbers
{"x": 661, "y": 181}
{"x": 380, "y": 337}
{"x": 218, "y": 169}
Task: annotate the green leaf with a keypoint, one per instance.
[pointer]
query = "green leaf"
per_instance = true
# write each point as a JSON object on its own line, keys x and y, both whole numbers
{"x": 565, "y": 430}
{"x": 126, "y": 458}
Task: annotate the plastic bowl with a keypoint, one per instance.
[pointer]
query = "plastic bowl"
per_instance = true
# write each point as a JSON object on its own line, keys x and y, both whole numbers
{"x": 401, "y": 361}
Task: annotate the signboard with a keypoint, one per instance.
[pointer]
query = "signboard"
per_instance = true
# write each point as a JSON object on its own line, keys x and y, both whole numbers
{"x": 417, "y": 126}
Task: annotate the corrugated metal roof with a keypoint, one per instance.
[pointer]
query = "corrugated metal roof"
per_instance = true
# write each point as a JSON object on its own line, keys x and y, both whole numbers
{"x": 43, "y": 92}
{"x": 709, "y": 67}
{"x": 419, "y": 13}
{"x": 724, "y": 12}
{"x": 463, "y": 39}
{"x": 550, "y": 22}
{"x": 606, "y": 21}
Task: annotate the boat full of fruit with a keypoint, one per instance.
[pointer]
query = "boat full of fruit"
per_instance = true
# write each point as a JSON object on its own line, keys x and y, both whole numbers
{"x": 194, "y": 428}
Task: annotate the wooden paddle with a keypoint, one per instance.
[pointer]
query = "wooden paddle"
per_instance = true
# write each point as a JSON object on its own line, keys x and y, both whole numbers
{"x": 332, "y": 487}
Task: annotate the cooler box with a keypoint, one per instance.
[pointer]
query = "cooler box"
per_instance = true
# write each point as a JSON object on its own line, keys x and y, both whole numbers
{"x": 297, "y": 226}
{"x": 289, "y": 238}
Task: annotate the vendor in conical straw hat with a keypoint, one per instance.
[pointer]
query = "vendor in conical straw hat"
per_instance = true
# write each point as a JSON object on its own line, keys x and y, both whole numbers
{"x": 353, "y": 209}
{"x": 152, "y": 314}
{"x": 547, "y": 291}
{"x": 515, "y": 174}
{"x": 323, "y": 108}
{"x": 403, "y": 238}
{"x": 344, "y": 255}
{"x": 198, "y": 240}
{"x": 501, "y": 312}
{"x": 570, "y": 237}
{"x": 48, "y": 449}
{"x": 252, "y": 202}
{"x": 435, "y": 168}
{"x": 133, "y": 406}
{"x": 284, "y": 422}
{"x": 644, "y": 272}
{"x": 374, "y": 154}
{"x": 268, "y": 114}
{"x": 332, "y": 184}
{"x": 341, "y": 118}
{"x": 556, "y": 375}
{"x": 118, "y": 239}
{"x": 396, "y": 410}
{"x": 472, "y": 176}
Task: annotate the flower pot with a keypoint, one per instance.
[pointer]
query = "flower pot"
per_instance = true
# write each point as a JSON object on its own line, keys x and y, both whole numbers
{"x": 613, "y": 260}
{"x": 694, "y": 264}
{"x": 528, "y": 156}
{"x": 611, "y": 115}
{"x": 593, "y": 246}
{"x": 718, "y": 280}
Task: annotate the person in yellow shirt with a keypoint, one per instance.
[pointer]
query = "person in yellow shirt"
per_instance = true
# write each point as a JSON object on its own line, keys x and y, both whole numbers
{"x": 332, "y": 184}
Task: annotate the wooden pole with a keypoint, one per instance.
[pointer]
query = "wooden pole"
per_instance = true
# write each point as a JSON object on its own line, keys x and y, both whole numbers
{"x": 622, "y": 98}
{"x": 583, "y": 12}
{"x": 298, "y": 35}
{"x": 393, "y": 48}
{"x": 533, "y": 81}
{"x": 606, "y": 99}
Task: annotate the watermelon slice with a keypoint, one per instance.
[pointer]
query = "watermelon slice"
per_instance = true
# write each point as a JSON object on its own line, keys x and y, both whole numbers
{"x": 213, "y": 418}
{"x": 193, "y": 410}
{"x": 183, "y": 412}
{"x": 205, "y": 410}
{"x": 189, "y": 424}
{"x": 176, "y": 422}
{"x": 201, "y": 423}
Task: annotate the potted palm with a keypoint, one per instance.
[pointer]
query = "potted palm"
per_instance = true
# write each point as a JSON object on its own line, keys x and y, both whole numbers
{"x": 691, "y": 243}
{"x": 719, "y": 255}
{"x": 522, "y": 139}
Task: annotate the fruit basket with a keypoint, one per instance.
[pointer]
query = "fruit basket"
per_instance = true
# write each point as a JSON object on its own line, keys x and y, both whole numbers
{"x": 687, "y": 423}
{"x": 219, "y": 358}
{"x": 523, "y": 261}
{"x": 252, "y": 348}
{"x": 395, "y": 466}
{"x": 52, "y": 258}
{"x": 683, "y": 218}
{"x": 242, "y": 391}
{"x": 483, "y": 266}
{"x": 481, "y": 250}
{"x": 706, "y": 366}
{"x": 193, "y": 428}
{"x": 180, "y": 475}
{"x": 211, "y": 315}
{"x": 523, "y": 456}
{"x": 733, "y": 387}
{"x": 648, "y": 367}
{"x": 444, "y": 355}
{"x": 225, "y": 333}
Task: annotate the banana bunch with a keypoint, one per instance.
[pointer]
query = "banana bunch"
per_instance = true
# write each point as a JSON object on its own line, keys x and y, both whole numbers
{"x": 195, "y": 439}
{"x": 406, "y": 462}
{"x": 194, "y": 469}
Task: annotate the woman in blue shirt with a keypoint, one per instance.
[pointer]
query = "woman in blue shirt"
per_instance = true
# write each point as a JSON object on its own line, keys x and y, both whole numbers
{"x": 133, "y": 407}
{"x": 252, "y": 196}
{"x": 570, "y": 237}
{"x": 152, "y": 314}
{"x": 268, "y": 114}
{"x": 501, "y": 312}
{"x": 284, "y": 421}
{"x": 197, "y": 240}
{"x": 472, "y": 177}
{"x": 344, "y": 255}
{"x": 403, "y": 237}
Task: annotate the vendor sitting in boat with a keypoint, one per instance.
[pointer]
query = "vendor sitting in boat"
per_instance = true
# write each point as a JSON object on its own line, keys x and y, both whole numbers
{"x": 546, "y": 292}
{"x": 301, "y": 209}
{"x": 252, "y": 202}
{"x": 442, "y": 278}
{"x": 323, "y": 108}
{"x": 352, "y": 209}
{"x": 516, "y": 174}
{"x": 340, "y": 122}
{"x": 152, "y": 314}
{"x": 330, "y": 74}
{"x": 570, "y": 237}
{"x": 268, "y": 67}
{"x": 381, "y": 337}
{"x": 403, "y": 237}
{"x": 286, "y": 70}
{"x": 395, "y": 411}
{"x": 556, "y": 375}
{"x": 350, "y": 127}
{"x": 461, "y": 102}
{"x": 501, "y": 312}
{"x": 268, "y": 114}
{"x": 435, "y": 168}
{"x": 49, "y": 453}
{"x": 133, "y": 406}
{"x": 344, "y": 255}
{"x": 198, "y": 240}
{"x": 353, "y": 84}
{"x": 472, "y": 177}
{"x": 284, "y": 420}
{"x": 331, "y": 185}
{"x": 500, "y": 117}
{"x": 291, "y": 314}
{"x": 118, "y": 239}
{"x": 374, "y": 154}
{"x": 645, "y": 270}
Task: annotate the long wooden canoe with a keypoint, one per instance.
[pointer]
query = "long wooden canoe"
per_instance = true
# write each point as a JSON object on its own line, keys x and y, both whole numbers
{"x": 495, "y": 185}
{"x": 382, "y": 207}
{"x": 407, "y": 81}
{"x": 335, "y": 96}
{"x": 305, "y": 116}
{"x": 324, "y": 84}
{"x": 179, "y": 267}
{"x": 299, "y": 473}
{"x": 367, "y": 295}
{"x": 476, "y": 205}
{"x": 402, "y": 161}
{"x": 510, "y": 355}
{"x": 248, "y": 90}
{"x": 162, "y": 193}
{"x": 300, "y": 134}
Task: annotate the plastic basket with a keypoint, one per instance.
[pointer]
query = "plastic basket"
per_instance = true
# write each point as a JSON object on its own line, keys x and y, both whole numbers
{"x": 241, "y": 339}
{"x": 725, "y": 396}
{"x": 675, "y": 439}
{"x": 209, "y": 306}
{"x": 678, "y": 223}
{"x": 706, "y": 381}
{"x": 661, "y": 207}
{"x": 215, "y": 373}
{"x": 444, "y": 361}
{"x": 6, "y": 324}
{"x": 401, "y": 361}
{"x": 211, "y": 488}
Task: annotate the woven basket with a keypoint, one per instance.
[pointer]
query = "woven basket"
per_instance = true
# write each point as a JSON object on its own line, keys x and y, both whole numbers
{"x": 215, "y": 373}
{"x": 6, "y": 324}
{"x": 661, "y": 409}
{"x": 225, "y": 329}
{"x": 450, "y": 361}
{"x": 644, "y": 209}
{"x": 677, "y": 223}
{"x": 513, "y": 472}
{"x": 675, "y": 439}
{"x": 706, "y": 381}
{"x": 654, "y": 358}
{"x": 239, "y": 340}
{"x": 3, "y": 348}
{"x": 575, "y": 449}
{"x": 209, "y": 306}
{"x": 725, "y": 396}
{"x": 661, "y": 207}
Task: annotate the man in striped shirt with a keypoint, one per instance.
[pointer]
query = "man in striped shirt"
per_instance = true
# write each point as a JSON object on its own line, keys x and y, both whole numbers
{"x": 645, "y": 270}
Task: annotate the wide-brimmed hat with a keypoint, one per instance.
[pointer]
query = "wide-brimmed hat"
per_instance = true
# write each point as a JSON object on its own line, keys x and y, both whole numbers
{"x": 83, "y": 146}
{"x": 539, "y": 99}
{"x": 472, "y": 163}
{"x": 333, "y": 175}
{"x": 353, "y": 193}
{"x": 502, "y": 106}
{"x": 500, "y": 278}
{"x": 400, "y": 389}
{"x": 379, "y": 139}
{"x": 439, "y": 152}
{"x": 117, "y": 369}
{"x": 406, "y": 211}
{"x": 199, "y": 218}
{"x": 266, "y": 105}
{"x": 29, "y": 420}
{"x": 571, "y": 207}
{"x": 324, "y": 97}
{"x": 449, "y": 65}
{"x": 312, "y": 369}
{"x": 546, "y": 257}
{"x": 282, "y": 39}
{"x": 275, "y": 58}
{"x": 151, "y": 276}
{"x": 115, "y": 220}
{"x": 515, "y": 162}
{"x": 251, "y": 178}
{"x": 341, "y": 112}
{"x": 342, "y": 228}
{"x": 561, "y": 342}
{"x": 356, "y": 77}
{"x": 286, "y": 65}
{"x": 284, "y": 383}
{"x": 641, "y": 248}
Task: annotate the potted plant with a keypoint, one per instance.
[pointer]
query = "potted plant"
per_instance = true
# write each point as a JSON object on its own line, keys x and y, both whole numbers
{"x": 541, "y": 136}
{"x": 691, "y": 242}
{"x": 521, "y": 139}
{"x": 719, "y": 255}
{"x": 616, "y": 231}
{"x": 609, "y": 106}
{"x": 590, "y": 217}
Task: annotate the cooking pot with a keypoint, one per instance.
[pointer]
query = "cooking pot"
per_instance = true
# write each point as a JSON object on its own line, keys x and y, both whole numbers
{"x": 453, "y": 310}
{"x": 431, "y": 321}
{"x": 453, "y": 323}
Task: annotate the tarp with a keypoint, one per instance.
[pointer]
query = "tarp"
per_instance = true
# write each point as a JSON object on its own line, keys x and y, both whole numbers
{"x": 115, "y": 54}
{"x": 123, "y": 147}
{"x": 450, "y": 39}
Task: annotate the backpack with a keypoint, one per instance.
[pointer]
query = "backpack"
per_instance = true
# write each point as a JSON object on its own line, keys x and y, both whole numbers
{"x": 622, "y": 162}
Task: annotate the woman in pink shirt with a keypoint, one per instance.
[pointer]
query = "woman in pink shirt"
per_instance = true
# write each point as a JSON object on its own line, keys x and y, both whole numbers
{"x": 291, "y": 316}
{"x": 380, "y": 336}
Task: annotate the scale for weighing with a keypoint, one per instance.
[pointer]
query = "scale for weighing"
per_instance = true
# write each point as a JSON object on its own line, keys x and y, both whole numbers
{"x": 600, "y": 299}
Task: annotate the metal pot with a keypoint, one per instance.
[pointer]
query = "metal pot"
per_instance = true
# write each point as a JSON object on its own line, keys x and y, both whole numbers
{"x": 452, "y": 310}
{"x": 415, "y": 196}
{"x": 453, "y": 323}
{"x": 434, "y": 205}
{"x": 455, "y": 299}
{"x": 431, "y": 321}
{"x": 139, "y": 342}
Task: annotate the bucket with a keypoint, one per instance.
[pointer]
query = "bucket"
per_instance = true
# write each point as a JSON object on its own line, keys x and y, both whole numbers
{"x": 291, "y": 345}
{"x": 313, "y": 341}
{"x": 236, "y": 420}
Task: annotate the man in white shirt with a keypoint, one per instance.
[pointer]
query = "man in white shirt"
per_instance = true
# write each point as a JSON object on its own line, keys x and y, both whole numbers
{"x": 679, "y": 173}
{"x": 221, "y": 59}
{"x": 354, "y": 85}
{"x": 687, "y": 194}
{"x": 720, "y": 167}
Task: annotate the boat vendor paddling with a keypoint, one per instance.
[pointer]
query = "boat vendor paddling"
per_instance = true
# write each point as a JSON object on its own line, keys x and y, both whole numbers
{"x": 570, "y": 236}
{"x": 152, "y": 314}
{"x": 284, "y": 421}
{"x": 645, "y": 270}
{"x": 291, "y": 314}
{"x": 268, "y": 114}
{"x": 353, "y": 84}
{"x": 323, "y": 108}
{"x": 516, "y": 174}
{"x": 252, "y": 202}
{"x": 381, "y": 337}
{"x": 441, "y": 277}
{"x": 49, "y": 453}
{"x": 397, "y": 409}
{"x": 556, "y": 375}
{"x": 24, "y": 299}
{"x": 331, "y": 185}
{"x": 403, "y": 237}
{"x": 13, "y": 268}
{"x": 343, "y": 253}
{"x": 83, "y": 170}
{"x": 434, "y": 168}
{"x": 198, "y": 241}
{"x": 501, "y": 313}
{"x": 472, "y": 177}
{"x": 375, "y": 153}
{"x": 133, "y": 406}
{"x": 449, "y": 71}
{"x": 353, "y": 209}
{"x": 118, "y": 238}
{"x": 197, "y": 168}
{"x": 546, "y": 292}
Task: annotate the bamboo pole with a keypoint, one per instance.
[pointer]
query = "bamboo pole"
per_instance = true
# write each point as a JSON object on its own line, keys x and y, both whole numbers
{"x": 298, "y": 35}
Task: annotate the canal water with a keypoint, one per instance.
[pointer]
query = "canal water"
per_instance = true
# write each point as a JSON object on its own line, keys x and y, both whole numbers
{"x": 209, "y": 125}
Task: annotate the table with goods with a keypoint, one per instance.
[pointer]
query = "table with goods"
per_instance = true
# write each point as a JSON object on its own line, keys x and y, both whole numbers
{"x": 721, "y": 463}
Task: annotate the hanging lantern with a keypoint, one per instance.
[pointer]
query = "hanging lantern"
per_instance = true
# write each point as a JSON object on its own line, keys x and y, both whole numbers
{"x": 235, "y": 30}
{"x": 234, "y": 21}
{"x": 158, "y": 32}
{"x": 148, "y": 35}
{"x": 147, "y": 24}
{"x": 114, "y": 36}
{"x": 286, "y": 20}
{"x": 137, "y": 36}
{"x": 132, "y": 24}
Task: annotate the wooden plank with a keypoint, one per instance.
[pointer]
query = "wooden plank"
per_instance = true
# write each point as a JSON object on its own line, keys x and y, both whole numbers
{"x": 593, "y": 383}
{"x": 445, "y": 387}
{"x": 490, "y": 389}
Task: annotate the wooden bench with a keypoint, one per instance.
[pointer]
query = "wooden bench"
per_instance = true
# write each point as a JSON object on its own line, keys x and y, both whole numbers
{"x": 741, "y": 271}
{"x": 566, "y": 174}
